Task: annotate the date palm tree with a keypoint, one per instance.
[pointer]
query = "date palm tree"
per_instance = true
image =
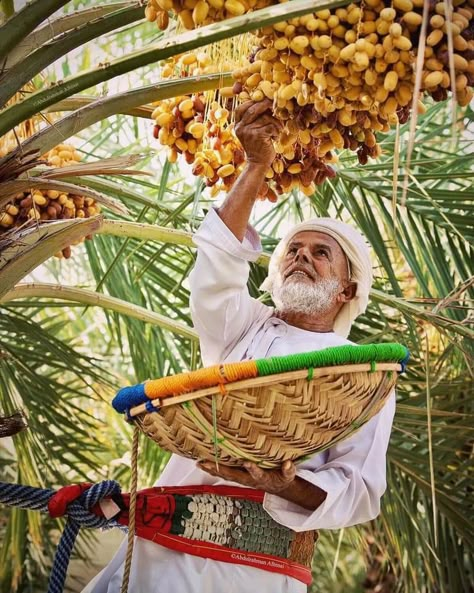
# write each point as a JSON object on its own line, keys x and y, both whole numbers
{"x": 72, "y": 331}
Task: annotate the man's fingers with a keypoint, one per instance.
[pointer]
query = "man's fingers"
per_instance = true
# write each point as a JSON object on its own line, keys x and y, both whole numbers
{"x": 252, "y": 475}
{"x": 288, "y": 470}
{"x": 207, "y": 467}
{"x": 266, "y": 131}
{"x": 261, "y": 121}
{"x": 269, "y": 131}
{"x": 253, "y": 111}
{"x": 232, "y": 474}
{"x": 256, "y": 472}
{"x": 241, "y": 109}
{"x": 267, "y": 118}
{"x": 250, "y": 110}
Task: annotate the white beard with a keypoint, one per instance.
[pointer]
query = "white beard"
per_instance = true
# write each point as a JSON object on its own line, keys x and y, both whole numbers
{"x": 301, "y": 297}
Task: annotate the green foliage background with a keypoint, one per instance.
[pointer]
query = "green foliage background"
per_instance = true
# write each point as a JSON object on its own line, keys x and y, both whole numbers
{"x": 61, "y": 359}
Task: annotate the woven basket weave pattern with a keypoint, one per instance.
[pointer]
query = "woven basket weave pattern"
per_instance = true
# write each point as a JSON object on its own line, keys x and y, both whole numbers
{"x": 271, "y": 423}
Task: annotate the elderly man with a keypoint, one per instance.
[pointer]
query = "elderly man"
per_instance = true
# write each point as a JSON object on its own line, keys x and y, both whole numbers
{"x": 319, "y": 278}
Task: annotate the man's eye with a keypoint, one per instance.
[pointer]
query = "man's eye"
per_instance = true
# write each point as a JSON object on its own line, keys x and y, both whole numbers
{"x": 322, "y": 252}
{"x": 291, "y": 250}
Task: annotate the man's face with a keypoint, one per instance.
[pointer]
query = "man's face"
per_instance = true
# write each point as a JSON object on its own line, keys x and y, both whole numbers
{"x": 313, "y": 275}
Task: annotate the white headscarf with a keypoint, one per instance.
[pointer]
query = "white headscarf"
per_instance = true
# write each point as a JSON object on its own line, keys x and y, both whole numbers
{"x": 356, "y": 251}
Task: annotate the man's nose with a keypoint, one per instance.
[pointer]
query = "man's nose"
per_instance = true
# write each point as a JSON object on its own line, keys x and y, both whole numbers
{"x": 303, "y": 255}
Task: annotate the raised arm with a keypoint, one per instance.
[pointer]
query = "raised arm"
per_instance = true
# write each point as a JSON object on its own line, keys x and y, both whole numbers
{"x": 255, "y": 128}
{"x": 221, "y": 307}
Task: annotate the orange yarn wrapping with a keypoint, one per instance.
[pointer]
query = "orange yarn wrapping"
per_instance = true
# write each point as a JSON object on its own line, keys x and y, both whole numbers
{"x": 200, "y": 379}
{"x": 236, "y": 371}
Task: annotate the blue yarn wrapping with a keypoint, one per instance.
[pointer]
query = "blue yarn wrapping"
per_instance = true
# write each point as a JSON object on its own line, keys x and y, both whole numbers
{"x": 128, "y": 397}
{"x": 78, "y": 515}
{"x": 150, "y": 407}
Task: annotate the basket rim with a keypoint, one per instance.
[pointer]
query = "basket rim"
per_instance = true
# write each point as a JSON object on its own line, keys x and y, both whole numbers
{"x": 154, "y": 405}
{"x": 171, "y": 386}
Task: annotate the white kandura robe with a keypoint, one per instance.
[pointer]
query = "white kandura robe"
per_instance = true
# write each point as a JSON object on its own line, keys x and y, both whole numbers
{"x": 232, "y": 326}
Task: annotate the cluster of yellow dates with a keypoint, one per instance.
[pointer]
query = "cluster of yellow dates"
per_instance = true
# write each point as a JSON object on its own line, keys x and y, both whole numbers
{"x": 196, "y": 13}
{"x": 336, "y": 78}
{"x": 41, "y": 205}
{"x": 202, "y": 133}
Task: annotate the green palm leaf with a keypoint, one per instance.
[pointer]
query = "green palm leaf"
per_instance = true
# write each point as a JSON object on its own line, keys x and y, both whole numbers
{"x": 103, "y": 108}
{"x": 23, "y": 22}
{"x": 25, "y": 70}
{"x": 55, "y": 27}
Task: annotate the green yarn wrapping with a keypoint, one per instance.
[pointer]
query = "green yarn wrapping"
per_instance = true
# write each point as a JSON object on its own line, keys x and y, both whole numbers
{"x": 335, "y": 356}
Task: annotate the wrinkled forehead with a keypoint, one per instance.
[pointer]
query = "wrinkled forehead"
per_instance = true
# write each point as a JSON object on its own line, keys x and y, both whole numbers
{"x": 311, "y": 238}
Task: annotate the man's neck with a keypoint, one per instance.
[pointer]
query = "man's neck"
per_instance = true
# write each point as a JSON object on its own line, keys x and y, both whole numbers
{"x": 307, "y": 322}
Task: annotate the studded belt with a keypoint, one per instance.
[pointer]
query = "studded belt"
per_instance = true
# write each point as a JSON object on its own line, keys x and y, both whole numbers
{"x": 222, "y": 523}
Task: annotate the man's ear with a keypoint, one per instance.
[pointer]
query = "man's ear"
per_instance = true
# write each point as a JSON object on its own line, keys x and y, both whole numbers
{"x": 348, "y": 293}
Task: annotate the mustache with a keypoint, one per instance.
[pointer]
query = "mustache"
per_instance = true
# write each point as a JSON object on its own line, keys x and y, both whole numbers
{"x": 299, "y": 268}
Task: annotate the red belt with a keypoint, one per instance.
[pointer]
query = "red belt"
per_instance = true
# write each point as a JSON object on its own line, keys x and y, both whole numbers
{"x": 223, "y": 523}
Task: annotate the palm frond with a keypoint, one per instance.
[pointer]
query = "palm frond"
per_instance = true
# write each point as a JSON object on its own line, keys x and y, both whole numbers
{"x": 92, "y": 298}
{"x": 13, "y": 78}
{"x": 22, "y": 250}
{"x": 24, "y": 21}
{"x": 45, "y": 33}
{"x": 104, "y": 107}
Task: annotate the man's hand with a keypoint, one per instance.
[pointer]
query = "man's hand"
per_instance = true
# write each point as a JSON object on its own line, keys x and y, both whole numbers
{"x": 256, "y": 128}
{"x": 272, "y": 481}
{"x": 284, "y": 482}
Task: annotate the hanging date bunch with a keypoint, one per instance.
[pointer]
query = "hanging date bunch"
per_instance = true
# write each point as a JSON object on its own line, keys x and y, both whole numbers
{"x": 456, "y": 27}
{"x": 196, "y": 13}
{"x": 199, "y": 126}
{"x": 201, "y": 131}
{"x": 42, "y": 205}
{"x": 337, "y": 79}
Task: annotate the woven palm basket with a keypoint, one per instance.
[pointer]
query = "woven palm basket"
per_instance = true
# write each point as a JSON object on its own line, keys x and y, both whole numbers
{"x": 266, "y": 410}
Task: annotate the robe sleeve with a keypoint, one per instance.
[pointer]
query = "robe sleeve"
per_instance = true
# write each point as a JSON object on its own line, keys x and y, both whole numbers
{"x": 354, "y": 477}
{"x": 222, "y": 309}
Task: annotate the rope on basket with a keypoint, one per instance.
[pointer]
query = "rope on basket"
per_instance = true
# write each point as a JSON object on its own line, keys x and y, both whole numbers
{"x": 132, "y": 514}
{"x": 79, "y": 499}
